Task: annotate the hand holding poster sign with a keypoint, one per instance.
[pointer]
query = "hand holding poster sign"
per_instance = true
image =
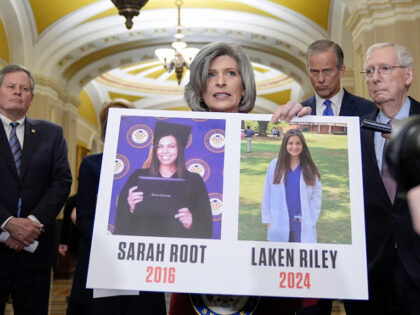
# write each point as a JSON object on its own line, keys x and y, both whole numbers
{"x": 237, "y": 259}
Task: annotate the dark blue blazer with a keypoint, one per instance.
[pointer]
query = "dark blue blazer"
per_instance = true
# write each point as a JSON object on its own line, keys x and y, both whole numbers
{"x": 89, "y": 173}
{"x": 351, "y": 105}
{"x": 44, "y": 186}
{"x": 389, "y": 228}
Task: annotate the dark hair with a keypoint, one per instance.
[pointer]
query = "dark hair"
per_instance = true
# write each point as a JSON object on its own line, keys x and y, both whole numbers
{"x": 17, "y": 68}
{"x": 179, "y": 163}
{"x": 309, "y": 169}
{"x": 200, "y": 68}
{"x": 321, "y": 46}
{"x": 103, "y": 115}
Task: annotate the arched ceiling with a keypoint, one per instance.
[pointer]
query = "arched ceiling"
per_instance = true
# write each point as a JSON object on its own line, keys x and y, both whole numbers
{"x": 83, "y": 44}
{"x": 48, "y": 12}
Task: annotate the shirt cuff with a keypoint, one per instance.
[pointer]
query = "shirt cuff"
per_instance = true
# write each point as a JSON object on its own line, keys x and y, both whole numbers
{"x": 33, "y": 218}
{"x": 5, "y": 222}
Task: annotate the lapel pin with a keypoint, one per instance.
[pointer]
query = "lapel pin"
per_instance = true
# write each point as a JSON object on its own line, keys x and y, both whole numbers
{"x": 33, "y": 130}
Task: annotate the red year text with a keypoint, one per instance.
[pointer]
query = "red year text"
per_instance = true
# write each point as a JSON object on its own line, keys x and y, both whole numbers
{"x": 292, "y": 280}
{"x": 160, "y": 274}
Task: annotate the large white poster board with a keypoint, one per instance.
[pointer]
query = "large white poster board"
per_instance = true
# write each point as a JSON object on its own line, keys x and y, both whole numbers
{"x": 237, "y": 259}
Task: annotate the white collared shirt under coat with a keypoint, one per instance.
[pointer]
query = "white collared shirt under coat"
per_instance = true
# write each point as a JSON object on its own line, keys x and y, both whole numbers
{"x": 275, "y": 212}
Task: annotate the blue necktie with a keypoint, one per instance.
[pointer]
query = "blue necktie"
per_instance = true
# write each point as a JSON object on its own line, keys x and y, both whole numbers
{"x": 328, "y": 110}
{"x": 17, "y": 155}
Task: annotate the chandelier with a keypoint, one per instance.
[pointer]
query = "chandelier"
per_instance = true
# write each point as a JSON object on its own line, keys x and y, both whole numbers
{"x": 129, "y": 9}
{"x": 180, "y": 57}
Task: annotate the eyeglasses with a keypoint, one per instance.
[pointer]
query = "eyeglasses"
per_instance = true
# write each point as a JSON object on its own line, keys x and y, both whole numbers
{"x": 381, "y": 70}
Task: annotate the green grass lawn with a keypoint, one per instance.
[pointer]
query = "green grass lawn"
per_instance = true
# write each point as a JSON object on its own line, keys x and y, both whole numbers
{"x": 330, "y": 155}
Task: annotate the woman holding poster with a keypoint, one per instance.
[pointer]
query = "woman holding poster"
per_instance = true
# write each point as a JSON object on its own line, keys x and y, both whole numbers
{"x": 292, "y": 193}
{"x": 164, "y": 198}
{"x": 222, "y": 80}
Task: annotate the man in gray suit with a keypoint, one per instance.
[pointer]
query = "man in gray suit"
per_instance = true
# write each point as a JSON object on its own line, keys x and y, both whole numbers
{"x": 34, "y": 184}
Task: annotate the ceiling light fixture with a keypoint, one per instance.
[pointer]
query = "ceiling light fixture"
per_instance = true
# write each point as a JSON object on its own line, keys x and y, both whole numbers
{"x": 180, "y": 57}
{"x": 129, "y": 9}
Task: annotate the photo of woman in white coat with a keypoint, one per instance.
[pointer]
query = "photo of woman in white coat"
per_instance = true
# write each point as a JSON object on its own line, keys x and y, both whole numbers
{"x": 292, "y": 193}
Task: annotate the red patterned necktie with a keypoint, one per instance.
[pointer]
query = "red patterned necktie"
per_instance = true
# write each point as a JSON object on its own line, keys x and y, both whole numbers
{"x": 389, "y": 183}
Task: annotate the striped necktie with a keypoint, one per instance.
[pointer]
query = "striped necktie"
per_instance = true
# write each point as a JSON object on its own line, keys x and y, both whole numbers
{"x": 328, "y": 110}
{"x": 17, "y": 155}
{"x": 15, "y": 146}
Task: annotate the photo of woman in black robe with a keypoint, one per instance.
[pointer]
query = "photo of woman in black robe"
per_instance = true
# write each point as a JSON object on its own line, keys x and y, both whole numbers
{"x": 165, "y": 199}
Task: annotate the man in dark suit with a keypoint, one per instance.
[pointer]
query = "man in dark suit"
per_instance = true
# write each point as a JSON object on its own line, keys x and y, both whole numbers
{"x": 393, "y": 247}
{"x": 325, "y": 61}
{"x": 34, "y": 184}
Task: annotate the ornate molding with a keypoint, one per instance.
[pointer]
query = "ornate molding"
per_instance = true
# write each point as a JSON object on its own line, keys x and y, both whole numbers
{"x": 48, "y": 86}
{"x": 365, "y": 15}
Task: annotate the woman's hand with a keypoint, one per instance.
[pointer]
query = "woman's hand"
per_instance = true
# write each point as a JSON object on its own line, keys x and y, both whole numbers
{"x": 185, "y": 217}
{"x": 134, "y": 197}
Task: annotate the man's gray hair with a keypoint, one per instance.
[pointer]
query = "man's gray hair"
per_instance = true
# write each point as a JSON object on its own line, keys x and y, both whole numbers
{"x": 321, "y": 46}
{"x": 403, "y": 54}
{"x": 200, "y": 68}
{"x": 17, "y": 68}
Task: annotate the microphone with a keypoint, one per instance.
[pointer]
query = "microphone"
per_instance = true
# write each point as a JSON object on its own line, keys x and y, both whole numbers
{"x": 376, "y": 126}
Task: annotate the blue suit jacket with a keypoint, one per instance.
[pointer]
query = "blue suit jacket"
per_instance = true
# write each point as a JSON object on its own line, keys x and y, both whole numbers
{"x": 44, "y": 185}
{"x": 351, "y": 105}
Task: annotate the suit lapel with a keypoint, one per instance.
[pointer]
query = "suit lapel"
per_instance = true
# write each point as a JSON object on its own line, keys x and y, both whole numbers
{"x": 29, "y": 144}
{"x": 414, "y": 110}
{"x": 5, "y": 151}
{"x": 414, "y": 107}
{"x": 372, "y": 165}
{"x": 346, "y": 108}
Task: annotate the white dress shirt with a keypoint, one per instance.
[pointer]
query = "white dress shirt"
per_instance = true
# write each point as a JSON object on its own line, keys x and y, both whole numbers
{"x": 336, "y": 101}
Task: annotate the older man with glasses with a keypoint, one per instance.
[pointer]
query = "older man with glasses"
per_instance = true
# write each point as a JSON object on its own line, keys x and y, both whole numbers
{"x": 393, "y": 247}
